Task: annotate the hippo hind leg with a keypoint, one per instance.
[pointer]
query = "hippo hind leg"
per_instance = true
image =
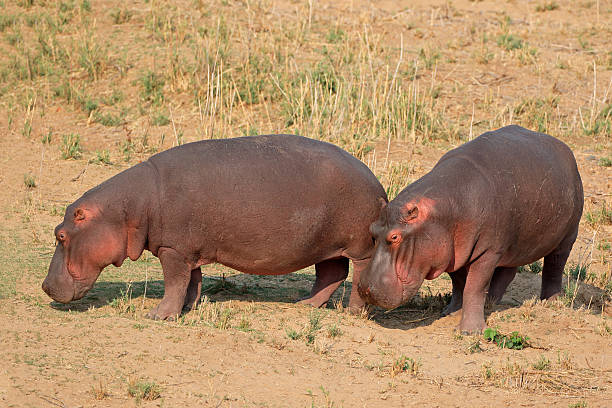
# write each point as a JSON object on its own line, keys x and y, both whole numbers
{"x": 554, "y": 263}
{"x": 329, "y": 275}
{"x": 499, "y": 283}
{"x": 194, "y": 290}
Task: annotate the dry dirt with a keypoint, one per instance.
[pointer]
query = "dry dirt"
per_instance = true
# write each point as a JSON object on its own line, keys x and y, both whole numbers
{"x": 237, "y": 349}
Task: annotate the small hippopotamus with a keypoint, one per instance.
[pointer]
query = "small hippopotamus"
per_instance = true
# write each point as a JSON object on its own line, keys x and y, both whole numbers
{"x": 505, "y": 199}
{"x": 265, "y": 205}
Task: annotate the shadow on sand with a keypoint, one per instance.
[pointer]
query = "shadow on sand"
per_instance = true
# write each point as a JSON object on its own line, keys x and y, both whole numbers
{"x": 422, "y": 310}
{"x": 283, "y": 288}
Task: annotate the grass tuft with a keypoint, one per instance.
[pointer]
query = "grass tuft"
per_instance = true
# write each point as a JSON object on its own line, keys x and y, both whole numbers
{"x": 29, "y": 181}
{"x": 547, "y": 6}
{"x": 404, "y": 364}
{"x": 144, "y": 390}
{"x": 71, "y": 146}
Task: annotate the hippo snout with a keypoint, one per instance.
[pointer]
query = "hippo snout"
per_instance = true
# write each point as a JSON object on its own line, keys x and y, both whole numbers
{"x": 60, "y": 292}
{"x": 383, "y": 290}
{"x": 59, "y": 284}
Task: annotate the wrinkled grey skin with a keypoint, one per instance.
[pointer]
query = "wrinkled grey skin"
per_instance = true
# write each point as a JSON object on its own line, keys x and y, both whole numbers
{"x": 264, "y": 205}
{"x": 505, "y": 199}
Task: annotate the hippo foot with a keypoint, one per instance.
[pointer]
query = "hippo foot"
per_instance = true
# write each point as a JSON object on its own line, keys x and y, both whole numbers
{"x": 157, "y": 317}
{"x": 357, "y": 305}
{"x": 471, "y": 327}
{"x": 312, "y": 301}
{"x": 550, "y": 296}
{"x": 158, "y": 313}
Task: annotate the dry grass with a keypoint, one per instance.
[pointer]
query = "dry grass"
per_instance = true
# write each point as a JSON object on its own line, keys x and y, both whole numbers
{"x": 556, "y": 378}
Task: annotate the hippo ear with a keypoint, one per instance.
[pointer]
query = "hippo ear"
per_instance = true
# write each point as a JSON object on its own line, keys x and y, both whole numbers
{"x": 409, "y": 212}
{"x": 382, "y": 202}
{"x": 80, "y": 214}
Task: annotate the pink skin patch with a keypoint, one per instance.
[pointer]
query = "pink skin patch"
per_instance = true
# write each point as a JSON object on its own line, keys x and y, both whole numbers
{"x": 93, "y": 250}
{"x": 417, "y": 210}
{"x": 413, "y": 212}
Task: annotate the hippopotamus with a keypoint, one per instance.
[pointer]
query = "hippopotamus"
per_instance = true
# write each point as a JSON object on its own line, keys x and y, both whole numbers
{"x": 505, "y": 199}
{"x": 265, "y": 205}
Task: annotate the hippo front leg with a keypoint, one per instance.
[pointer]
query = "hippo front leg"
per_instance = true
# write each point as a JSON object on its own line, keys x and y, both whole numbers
{"x": 356, "y": 302}
{"x": 477, "y": 284}
{"x": 177, "y": 275}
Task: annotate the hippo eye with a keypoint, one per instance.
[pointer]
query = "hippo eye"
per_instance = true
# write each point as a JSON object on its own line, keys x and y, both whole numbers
{"x": 394, "y": 238}
{"x": 61, "y": 235}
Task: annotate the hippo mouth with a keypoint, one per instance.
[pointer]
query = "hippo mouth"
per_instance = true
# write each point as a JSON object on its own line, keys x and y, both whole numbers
{"x": 388, "y": 291}
{"x": 60, "y": 284}
{"x": 59, "y": 288}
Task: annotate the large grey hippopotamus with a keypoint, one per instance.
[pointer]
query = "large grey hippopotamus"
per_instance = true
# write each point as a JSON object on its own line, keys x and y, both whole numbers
{"x": 505, "y": 199}
{"x": 265, "y": 205}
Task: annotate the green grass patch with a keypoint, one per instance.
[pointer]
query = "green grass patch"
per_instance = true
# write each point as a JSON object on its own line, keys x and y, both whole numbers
{"x": 512, "y": 341}
{"x": 547, "y": 6}
{"x": 599, "y": 216}
{"x": 144, "y": 390}
{"x": 510, "y": 42}
{"x": 535, "y": 267}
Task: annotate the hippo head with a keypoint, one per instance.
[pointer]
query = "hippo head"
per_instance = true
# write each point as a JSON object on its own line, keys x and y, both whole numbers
{"x": 412, "y": 244}
{"x": 88, "y": 240}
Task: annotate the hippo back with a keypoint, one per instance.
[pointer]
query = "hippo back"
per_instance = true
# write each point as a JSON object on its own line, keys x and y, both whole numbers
{"x": 264, "y": 199}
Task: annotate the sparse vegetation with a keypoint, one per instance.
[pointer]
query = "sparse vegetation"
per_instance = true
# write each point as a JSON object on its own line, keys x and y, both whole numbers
{"x": 404, "y": 364}
{"x": 100, "y": 391}
{"x": 121, "y": 16}
{"x": 29, "y": 181}
{"x": 474, "y": 347}
{"x": 547, "y": 6}
{"x": 535, "y": 267}
{"x": 599, "y": 216}
{"x": 144, "y": 390}
{"x": 71, "y": 146}
{"x": 108, "y": 119}
{"x": 123, "y": 303}
{"x": 512, "y": 341}
{"x": 333, "y": 331}
{"x": 510, "y": 42}
{"x": 102, "y": 157}
{"x": 577, "y": 272}
{"x": 542, "y": 364}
